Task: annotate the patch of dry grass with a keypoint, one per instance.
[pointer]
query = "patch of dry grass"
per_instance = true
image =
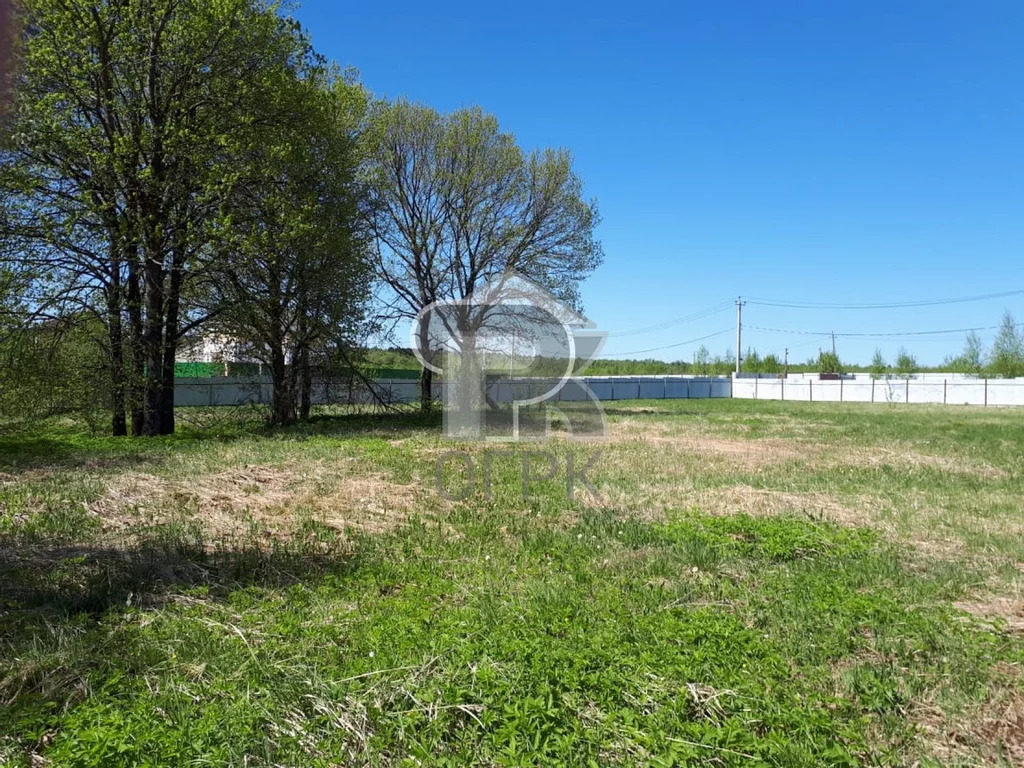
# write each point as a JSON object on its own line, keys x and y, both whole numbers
{"x": 276, "y": 499}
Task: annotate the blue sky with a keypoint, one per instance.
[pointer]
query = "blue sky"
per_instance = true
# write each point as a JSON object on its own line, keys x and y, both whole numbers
{"x": 846, "y": 152}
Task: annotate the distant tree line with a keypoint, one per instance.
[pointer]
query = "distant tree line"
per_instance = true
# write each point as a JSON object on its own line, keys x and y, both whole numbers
{"x": 1004, "y": 359}
{"x": 173, "y": 169}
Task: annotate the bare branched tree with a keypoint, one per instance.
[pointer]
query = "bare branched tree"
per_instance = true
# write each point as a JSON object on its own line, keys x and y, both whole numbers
{"x": 456, "y": 204}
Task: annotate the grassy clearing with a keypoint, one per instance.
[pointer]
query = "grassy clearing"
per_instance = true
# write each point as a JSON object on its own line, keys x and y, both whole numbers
{"x": 760, "y": 584}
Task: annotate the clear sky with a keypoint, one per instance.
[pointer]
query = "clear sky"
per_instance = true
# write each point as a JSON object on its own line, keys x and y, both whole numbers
{"x": 825, "y": 152}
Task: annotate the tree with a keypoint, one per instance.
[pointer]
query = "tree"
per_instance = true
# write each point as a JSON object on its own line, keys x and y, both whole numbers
{"x": 971, "y": 359}
{"x": 702, "y": 360}
{"x": 828, "y": 362}
{"x": 878, "y": 368}
{"x": 129, "y": 120}
{"x": 456, "y": 204}
{"x": 752, "y": 360}
{"x": 7, "y": 35}
{"x": 771, "y": 363}
{"x": 1007, "y": 358}
{"x": 906, "y": 363}
{"x": 294, "y": 282}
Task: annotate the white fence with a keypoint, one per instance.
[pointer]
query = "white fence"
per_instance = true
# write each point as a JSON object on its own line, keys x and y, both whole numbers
{"x": 951, "y": 389}
{"x": 860, "y": 388}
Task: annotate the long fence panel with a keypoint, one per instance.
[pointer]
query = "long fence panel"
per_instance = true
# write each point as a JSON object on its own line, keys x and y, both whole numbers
{"x": 928, "y": 388}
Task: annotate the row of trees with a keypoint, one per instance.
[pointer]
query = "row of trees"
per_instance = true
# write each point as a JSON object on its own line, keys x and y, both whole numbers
{"x": 1005, "y": 358}
{"x": 171, "y": 168}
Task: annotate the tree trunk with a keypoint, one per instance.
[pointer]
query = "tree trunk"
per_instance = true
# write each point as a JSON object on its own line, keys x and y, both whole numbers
{"x": 115, "y": 334}
{"x": 426, "y": 389}
{"x": 152, "y": 403}
{"x": 427, "y": 375}
{"x": 118, "y": 422}
{"x": 283, "y": 401}
{"x": 170, "y": 349}
{"x": 305, "y": 385}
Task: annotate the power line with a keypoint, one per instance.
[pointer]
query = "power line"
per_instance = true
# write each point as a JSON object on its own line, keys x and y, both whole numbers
{"x": 877, "y": 335}
{"x": 671, "y": 346}
{"x": 894, "y": 305}
{"x": 700, "y": 315}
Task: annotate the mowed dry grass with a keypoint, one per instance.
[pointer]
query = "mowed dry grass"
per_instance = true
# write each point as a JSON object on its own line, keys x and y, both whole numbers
{"x": 659, "y": 457}
{"x": 275, "y": 499}
{"x": 227, "y": 491}
{"x": 946, "y": 502}
{"x": 945, "y": 482}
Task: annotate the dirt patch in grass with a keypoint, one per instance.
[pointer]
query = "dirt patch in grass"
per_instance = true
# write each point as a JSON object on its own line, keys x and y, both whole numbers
{"x": 992, "y": 733}
{"x": 756, "y": 453}
{"x": 741, "y": 454}
{"x": 763, "y": 502}
{"x": 276, "y": 500}
{"x": 653, "y": 503}
{"x": 907, "y": 457}
{"x": 1007, "y": 611}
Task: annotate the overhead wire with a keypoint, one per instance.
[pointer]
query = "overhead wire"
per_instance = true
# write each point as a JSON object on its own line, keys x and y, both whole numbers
{"x": 671, "y": 346}
{"x": 885, "y": 305}
{"x": 875, "y": 335}
{"x": 699, "y": 315}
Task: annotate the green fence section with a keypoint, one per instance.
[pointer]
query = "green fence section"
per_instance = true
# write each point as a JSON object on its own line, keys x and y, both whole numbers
{"x": 198, "y": 370}
{"x": 391, "y": 373}
{"x": 214, "y": 370}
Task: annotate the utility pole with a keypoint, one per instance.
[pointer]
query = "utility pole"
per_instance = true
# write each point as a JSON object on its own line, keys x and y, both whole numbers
{"x": 785, "y": 365}
{"x": 833, "y": 343}
{"x": 739, "y": 333}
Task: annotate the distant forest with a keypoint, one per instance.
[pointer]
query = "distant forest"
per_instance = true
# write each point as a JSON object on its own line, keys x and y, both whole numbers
{"x": 1004, "y": 359}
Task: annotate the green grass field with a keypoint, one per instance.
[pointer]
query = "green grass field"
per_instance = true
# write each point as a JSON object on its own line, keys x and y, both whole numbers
{"x": 759, "y": 583}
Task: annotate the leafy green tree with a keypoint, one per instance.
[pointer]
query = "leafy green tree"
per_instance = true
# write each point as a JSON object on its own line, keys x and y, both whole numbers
{"x": 6, "y": 49}
{"x": 456, "y": 204}
{"x": 724, "y": 364}
{"x": 752, "y": 361}
{"x": 131, "y": 120}
{"x": 702, "y": 361}
{"x": 54, "y": 368}
{"x": 771, "y": 364}
{"x": 295, "y": 282}
{"x": 906, "y": 363}
{"x": 1007, "y": 359}
{"x": 828, "y": 362}
{"x": 971, "y": 359}
{"x": 879, "y": 367}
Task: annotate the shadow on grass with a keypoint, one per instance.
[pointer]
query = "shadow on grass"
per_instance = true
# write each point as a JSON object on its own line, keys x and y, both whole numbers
{"x": 647, "y": 410}
{"x": 52, "y": 446}
{"x": 92, "y": 577}
{"x": 62, "y": 608}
